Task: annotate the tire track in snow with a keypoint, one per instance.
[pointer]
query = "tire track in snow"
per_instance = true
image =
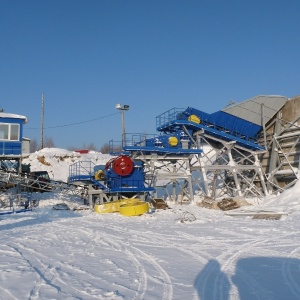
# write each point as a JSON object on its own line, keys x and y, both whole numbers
{"x": 99, "y": 237}
{"x": 227, "y": 264}
{"x": 219, "y": 280}
{"x": 158, "y": 240}
{"x": 142, "y": 280}
{"x": 134, "y": 253}
{"x": 44, "y": 273}
{"x": 228, "y": 259}
{"x": 47, "y": 274}
{"x": 167, "y": 284}
{"x": 5, "y": 294}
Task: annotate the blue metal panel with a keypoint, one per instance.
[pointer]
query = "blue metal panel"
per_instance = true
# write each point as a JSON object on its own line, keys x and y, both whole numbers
{"x": 234, "y": 125}
{"x": 218, "y": 134}
{"x": 12, "y": 147}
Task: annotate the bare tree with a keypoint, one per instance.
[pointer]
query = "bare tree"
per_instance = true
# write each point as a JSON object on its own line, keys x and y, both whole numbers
{"x": 105, "y": 149}
{"x": 92, "y": 147}
{"x": 49, "y": 143}
{"x": 33, "y": 145}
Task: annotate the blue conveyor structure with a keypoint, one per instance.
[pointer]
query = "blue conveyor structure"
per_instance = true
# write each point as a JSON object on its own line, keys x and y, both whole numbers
{"x": 175, "y": 143}
{"x": 220, "y": 125}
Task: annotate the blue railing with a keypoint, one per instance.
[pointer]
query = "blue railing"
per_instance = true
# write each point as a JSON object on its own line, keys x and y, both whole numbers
{"x": 131, "y": 139}
{"x": 168, "y": 116}
{"x": 83, "y": 168}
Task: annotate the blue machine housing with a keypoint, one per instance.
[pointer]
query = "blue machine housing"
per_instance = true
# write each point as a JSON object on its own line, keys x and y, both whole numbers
{"x": 11, "y": 134}
{"x": 111, "y": 181}
{"x": 134, "y": 182}
{"x": 163, "y": 140}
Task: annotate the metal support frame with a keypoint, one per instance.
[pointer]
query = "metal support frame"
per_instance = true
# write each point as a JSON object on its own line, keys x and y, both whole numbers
{"x": 23, "y": 181}
{"x": 173, "y": 169}
{"x": 229, "y": 170}
{"x": 283, "y": 158}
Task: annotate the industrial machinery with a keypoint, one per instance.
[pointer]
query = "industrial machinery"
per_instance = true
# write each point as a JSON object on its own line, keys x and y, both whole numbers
{"x": 217, "y": 154}
{"x": 120, "y": 177}
{"x": 232, "y": 152}
{"x": 178, "y": 156}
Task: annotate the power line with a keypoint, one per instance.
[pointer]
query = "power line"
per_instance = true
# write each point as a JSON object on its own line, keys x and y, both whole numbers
{"x": 76, "y": 123}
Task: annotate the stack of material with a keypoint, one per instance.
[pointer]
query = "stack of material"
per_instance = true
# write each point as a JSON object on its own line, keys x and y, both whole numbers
{"x": 159, "y": 203}
{"x": 268, "y": 216}
{"x": 227, "y": 204}
{"x": 209, "y": 203}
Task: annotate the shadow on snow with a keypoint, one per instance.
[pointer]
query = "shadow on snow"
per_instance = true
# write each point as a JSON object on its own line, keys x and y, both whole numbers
{"x": 255, "y": 278}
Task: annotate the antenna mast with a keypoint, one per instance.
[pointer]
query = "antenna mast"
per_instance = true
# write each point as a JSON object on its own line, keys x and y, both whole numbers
{"x": 42, "y": 123}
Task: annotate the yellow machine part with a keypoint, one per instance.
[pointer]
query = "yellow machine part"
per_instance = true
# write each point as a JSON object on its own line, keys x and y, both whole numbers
{"x": 134, "y": 209}
{"x": 99, "y": 175}
{"x": 129, "y": 201}
{"x": 105, "y": 208}
{"x": 114, "y": 206}
{"x": 194, "y": 118}
{"x": 173, "y": 141}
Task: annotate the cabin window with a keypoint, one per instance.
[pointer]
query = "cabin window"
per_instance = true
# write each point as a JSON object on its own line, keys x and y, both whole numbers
{"x": 9, "y": 132}
{"x": 4, "y": 131}
{"x": 14, "y": 132}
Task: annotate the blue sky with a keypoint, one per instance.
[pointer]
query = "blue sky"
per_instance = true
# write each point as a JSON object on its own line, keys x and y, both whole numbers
{"x": 87, "y": 56}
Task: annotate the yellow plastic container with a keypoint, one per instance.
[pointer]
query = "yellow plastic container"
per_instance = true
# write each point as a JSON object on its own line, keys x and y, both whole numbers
{"x": 134, "y": 209}
{"x": 129, "y": 201}
{"x": 114, "y": 206}
{"x": 105, "y": 208}
{"x": 194, "y": 118}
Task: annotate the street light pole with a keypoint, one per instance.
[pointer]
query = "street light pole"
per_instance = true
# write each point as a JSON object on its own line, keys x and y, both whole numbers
{"x": 123, "y": 128}
{"x": 122, "y": 109}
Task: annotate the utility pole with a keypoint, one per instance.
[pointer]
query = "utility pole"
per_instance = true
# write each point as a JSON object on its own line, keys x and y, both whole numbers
{"x": 42, "y": 123}
{"x": 122, "y": 109}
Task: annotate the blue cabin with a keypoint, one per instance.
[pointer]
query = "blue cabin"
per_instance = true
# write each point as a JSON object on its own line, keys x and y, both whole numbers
{"x": 11, "y": 134}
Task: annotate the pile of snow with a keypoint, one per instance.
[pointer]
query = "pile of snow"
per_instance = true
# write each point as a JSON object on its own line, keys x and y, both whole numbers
{"x": 184, "y": 252}
{"x": 57, "y": 161}
{"x": 288, "y": 201}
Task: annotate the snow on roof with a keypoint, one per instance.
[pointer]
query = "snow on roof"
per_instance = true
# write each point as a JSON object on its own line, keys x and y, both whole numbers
{"x": 13, "y": 116}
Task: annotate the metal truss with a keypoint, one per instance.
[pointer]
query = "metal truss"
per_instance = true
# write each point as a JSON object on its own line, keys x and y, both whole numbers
{"x": 30, "y": 184}
{"x": 282, "y": 161}
{"x": 228, "y": 169}
{"x": 170, "y": 171}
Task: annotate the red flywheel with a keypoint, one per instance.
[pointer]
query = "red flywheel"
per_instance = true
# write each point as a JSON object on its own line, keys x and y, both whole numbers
{"x": 122, "y": 165}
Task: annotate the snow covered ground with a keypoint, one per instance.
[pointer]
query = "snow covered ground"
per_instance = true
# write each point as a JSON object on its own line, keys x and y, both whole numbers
{"x": 185, "y": 252}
